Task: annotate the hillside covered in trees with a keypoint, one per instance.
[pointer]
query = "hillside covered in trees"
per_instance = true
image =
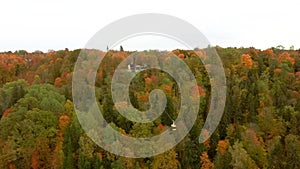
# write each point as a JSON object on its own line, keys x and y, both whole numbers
{"x": 260, "y": 127}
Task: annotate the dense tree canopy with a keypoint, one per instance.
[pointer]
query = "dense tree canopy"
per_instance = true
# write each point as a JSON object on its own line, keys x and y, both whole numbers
{"x": 260, "y": 127}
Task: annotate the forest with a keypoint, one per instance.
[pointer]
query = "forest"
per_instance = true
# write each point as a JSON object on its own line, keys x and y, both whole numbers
{"x": 260, "y": 126}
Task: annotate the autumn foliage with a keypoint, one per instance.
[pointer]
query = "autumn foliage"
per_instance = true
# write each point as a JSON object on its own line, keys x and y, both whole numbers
{"x": 259, "y": 127}
{"x": 247, "y": 60}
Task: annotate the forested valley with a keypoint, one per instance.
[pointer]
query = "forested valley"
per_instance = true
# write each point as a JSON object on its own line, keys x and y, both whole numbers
{"x": 260, "y": 126}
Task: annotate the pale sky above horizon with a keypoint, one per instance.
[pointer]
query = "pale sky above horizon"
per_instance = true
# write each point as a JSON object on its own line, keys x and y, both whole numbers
{"x": 41, "y": 25}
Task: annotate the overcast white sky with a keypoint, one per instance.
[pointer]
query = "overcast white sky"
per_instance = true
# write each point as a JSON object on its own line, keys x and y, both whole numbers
{"x": 58, "y": 24}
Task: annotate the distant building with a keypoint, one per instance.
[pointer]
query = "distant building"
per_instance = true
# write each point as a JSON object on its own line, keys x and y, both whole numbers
{"x": 136, "y": 68}
{"x": 28, "y": 59}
